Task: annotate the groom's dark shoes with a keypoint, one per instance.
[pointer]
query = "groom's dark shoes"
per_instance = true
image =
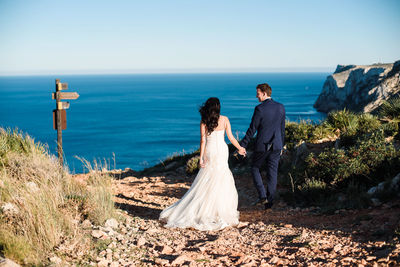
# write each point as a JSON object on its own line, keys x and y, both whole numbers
{"x": 268, "y": 205}
{"x": 262, "y": 201}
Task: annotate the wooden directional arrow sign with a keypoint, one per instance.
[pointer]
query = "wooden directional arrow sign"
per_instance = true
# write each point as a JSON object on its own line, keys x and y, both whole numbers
{"x": 63, "y": 105}
{"x": 60, "y": 115}
{"x": 62, "y": 86}
{"x": 65, "y": 95}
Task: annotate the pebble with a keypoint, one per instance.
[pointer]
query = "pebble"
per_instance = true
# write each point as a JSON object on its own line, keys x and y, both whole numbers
{"x": 55, "y": 260}
{"x": 181, "y": 259}
{"x": 111, "y": 223}
{"x": 141, "y": 242}
{"x": 103, "y": 263}
{"x": 98, "y": 233}
{"x": 86, "y": 224}
{"x": 167, "y": 250}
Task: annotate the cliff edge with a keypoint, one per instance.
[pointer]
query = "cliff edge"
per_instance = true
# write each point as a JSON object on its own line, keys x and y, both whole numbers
{"x": 359, "y": 88}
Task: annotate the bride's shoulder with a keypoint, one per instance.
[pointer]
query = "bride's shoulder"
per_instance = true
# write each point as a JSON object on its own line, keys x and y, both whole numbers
{"x": 224, "y": 117}
{"x": 224, "y": 120}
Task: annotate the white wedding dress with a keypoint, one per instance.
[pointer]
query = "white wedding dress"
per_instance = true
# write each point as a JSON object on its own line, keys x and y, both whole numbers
{"x": 211, "y": 202}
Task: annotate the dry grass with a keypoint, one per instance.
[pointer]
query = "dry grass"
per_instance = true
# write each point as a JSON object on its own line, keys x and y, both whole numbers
{"x": 98, "y": 195}
{"x": 42, "y": 205}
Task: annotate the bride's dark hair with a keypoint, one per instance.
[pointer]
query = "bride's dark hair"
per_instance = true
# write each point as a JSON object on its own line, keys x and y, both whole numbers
{"x": 210, "y": 113}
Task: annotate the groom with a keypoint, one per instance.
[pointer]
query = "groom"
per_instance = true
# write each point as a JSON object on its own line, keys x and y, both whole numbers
{"x": 269, "y": 123}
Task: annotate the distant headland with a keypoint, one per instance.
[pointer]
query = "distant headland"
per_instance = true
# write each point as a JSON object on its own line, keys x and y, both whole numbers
{"x": 359, "y": 88}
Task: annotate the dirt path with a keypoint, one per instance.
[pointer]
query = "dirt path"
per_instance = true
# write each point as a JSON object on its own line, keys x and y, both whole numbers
{"x": 281, "y": 236}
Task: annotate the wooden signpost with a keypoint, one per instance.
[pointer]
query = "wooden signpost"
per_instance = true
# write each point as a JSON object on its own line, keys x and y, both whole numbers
{"x": 60, "y": 114}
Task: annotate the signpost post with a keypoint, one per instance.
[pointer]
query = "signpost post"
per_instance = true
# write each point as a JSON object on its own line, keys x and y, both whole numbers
{"x": 60, "y": 114}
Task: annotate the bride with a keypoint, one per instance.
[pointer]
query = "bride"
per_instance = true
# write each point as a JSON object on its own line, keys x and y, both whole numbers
{"x": 211, "y": 202}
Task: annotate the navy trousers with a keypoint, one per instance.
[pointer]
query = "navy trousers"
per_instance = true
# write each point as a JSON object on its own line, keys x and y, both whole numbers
{"x": 271, "y": 157}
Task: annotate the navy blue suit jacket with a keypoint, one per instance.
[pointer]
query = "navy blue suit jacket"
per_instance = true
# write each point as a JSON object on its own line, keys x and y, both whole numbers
{"x": 269, "y": 123}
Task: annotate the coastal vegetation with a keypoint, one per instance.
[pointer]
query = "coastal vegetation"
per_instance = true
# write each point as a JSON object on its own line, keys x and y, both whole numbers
{"x": 335, "y": 169}
{"x": 42, "y": 205}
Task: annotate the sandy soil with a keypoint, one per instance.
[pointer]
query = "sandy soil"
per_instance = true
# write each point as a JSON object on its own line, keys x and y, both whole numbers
{"x": 281, "y": 236}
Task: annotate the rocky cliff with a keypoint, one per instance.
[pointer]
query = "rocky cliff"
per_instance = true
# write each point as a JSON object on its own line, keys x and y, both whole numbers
{"x": 359, "y": 88}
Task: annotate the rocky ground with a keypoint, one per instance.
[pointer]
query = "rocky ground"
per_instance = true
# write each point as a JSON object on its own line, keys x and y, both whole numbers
{"x": 282, "y": 236}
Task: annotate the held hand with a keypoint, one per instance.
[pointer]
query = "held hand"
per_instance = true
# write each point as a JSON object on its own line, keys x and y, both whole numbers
{"x": 283, "y": 150}
{"x": 202, "y": 162}
{"x": 242, "y": 151}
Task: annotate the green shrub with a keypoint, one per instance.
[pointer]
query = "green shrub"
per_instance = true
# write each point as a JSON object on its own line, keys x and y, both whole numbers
{"x": 343, "y": 120}
{"x": 328, "y": 166}
{"x": 321, "y": 132}
{"x": 313, "y": 191}
{"x": 335, "y": 166}
{"x": 16, "y": 142}
{"x": 297, "y": 132}
{"x": 367, "y": 123}
{"x": 364, "y": 158}
{"x": 390, "y": 128}
{"x": 391, "y": 109}
{"x": 177, "y": 159}
{"x": 192, "y": 165}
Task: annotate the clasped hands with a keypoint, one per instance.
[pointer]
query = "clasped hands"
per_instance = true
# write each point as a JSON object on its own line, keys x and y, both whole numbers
{"x": 242, "y": 151}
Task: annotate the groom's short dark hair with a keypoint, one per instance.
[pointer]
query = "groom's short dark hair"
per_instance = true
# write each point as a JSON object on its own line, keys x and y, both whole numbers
{"x": 264, "y": 87}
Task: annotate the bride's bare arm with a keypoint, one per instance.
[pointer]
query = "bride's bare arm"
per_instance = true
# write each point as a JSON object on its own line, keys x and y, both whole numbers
{"x": 230, "y": 136}
{"x": 203, "y": 133}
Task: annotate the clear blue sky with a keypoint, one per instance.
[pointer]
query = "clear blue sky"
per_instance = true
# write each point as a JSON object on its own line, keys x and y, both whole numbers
{"x": 46, "y": 37}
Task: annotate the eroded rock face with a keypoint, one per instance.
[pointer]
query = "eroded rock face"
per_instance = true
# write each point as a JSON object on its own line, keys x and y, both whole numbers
{"x": 359, "y": 88}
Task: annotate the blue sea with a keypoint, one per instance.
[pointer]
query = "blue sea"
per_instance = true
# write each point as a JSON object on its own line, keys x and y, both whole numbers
{"x": 144, "y": 118}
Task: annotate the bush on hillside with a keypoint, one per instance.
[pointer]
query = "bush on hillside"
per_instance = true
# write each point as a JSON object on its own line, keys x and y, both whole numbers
{"x": 362, "y": 157}
{"x": 177, "y": 159}
{"x": 192, "y": 165}
{"x": 343, "y": 120}
{"x": 321, "y": 132}
{"x": 391, "y": 109}
{"x": 312, "y": 190}
{"x": 367, "y": 123}
{"x": 297, "y": 132}
{"x": 337, "y": 166}
{"x": 41, "y": 203}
